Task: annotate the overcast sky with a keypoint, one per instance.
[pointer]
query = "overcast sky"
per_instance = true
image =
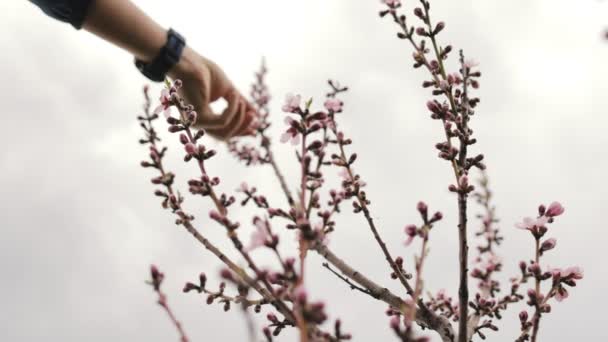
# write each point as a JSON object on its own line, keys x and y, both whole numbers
{"x": 80, "y": 226}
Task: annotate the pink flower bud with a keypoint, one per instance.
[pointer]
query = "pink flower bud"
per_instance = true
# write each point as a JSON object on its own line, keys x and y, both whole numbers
{"x": 267, "y": 333}
{"x": 548, "y": 244}
{"x": 271, "y": 317}
{"x": 555, "y": 209}
{"x": 189, "y": 287}
{"x": 202, "y": 278}
{"x": 301, "y": 295}
{"x": 422, "y": 208}
{"x": 226, "y": 274}
{"x": 437, "y": 216}
{"x": 433, "y": 106}
{"x": 421, "y": 31}
{"x": 561, "y": 294}
{"x": 410, "y": 230}
{"x": 523, "y": 316}
{"x": 541, "y": 210}
{"x": 215, "y": 215}
{"x": 391, "y": 3}
{"x": 333, "y": 105}
{"x": 190, "y": 148}
{"x": 476, "y": 273}
{"x": 290, "y": 262}
{"x": 440, "y": 26}
{"x": 534, "y": 268}
{"x": 399, "y": 261}
{"x": 192, "y": 116}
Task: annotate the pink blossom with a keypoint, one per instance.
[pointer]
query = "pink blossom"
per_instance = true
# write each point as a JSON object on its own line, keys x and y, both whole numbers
{"x": 391, "y": 2}
{"x": 469, "y": 63}
{"x": 243, "y": 188}
{"x": 165, "y": 103}
{"x": 441, "y": 294}
{"x": 300, "y": 294}
{"x": 333, "y": 105}
{"x": 491, "y": 263}
{"x": 344, "y": 174}
{"x": 548, "y": 244}
{"x": 561, "y": 294}
{"x": 321, "y": 236}
{"x": 532, "y": 224}
{"x": 454, "y": 78}
{"x": 490, "y": 234}
{"x": 411, "y": 231}
{"x": 573, "y": 272}
{"x": 555, "y": 209}
{"x": 190, "y": 148}
{"x": 463, "y": 182}
{"x": 260, "y": 236}
{"x": 214, "y": 214}
{"x": 255, "y": 156}
{"x": 292, "y": 134}
{"x": 292, "y": 102}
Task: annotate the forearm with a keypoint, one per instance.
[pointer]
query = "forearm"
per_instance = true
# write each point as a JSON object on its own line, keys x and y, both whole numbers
{"x": 122, "y": 23}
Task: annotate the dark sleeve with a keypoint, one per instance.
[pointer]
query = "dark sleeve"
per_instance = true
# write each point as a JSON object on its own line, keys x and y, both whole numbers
{"x": 69, "y": 11}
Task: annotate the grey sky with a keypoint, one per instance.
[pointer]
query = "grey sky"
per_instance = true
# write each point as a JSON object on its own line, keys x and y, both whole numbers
{"x": 80, "y": 226}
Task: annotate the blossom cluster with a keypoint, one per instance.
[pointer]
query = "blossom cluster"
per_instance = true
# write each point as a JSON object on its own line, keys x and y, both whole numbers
{"x": 313, "y": 201}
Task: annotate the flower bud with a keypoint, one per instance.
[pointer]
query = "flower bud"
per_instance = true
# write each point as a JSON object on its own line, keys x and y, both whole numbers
{"x": 437, "y": 217}
{"x": 189, "y": 287}
{"x": 555, "y": 209}
{"x": 190, "y": 148}
{"x": 523, "y": 316}
{"x": 202, "y": 278}
{"x": 192, "y": 116}
{"x": 440, "y": 26}
{"x": 548, "y": 245}
{"x": 226, "y": 274}
{"x": 411, "y": 230}
{"x": 422, "y": 208}
{"x": 421, "y": 32}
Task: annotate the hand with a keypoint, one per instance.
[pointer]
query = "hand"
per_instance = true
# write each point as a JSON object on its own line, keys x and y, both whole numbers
{"x": 203, "y": 83}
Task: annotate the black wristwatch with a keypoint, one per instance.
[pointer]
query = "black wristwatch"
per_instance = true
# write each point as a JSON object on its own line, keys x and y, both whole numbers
{"x": 168, "y": 56}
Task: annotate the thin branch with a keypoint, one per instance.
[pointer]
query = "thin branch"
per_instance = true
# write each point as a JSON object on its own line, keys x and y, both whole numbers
{"x": 156, "y": 281}
{"x": 174, "y": 200}
{"x": 424, "y": 316}
{"x": 350, "y": 284}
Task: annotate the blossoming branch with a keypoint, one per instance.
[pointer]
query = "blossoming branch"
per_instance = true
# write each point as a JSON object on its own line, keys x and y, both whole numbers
{"x": 312, "y": 203}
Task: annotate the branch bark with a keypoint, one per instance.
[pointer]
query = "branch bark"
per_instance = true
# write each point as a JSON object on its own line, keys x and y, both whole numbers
{"x": 424, "y": 316}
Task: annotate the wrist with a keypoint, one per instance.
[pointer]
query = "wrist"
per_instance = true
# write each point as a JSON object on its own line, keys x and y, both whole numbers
{"x": 168, "y": 56}
{"x": 185, "y": 66}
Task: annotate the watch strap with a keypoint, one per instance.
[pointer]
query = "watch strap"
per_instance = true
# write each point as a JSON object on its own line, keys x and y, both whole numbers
{"x": 169, "y": 56}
